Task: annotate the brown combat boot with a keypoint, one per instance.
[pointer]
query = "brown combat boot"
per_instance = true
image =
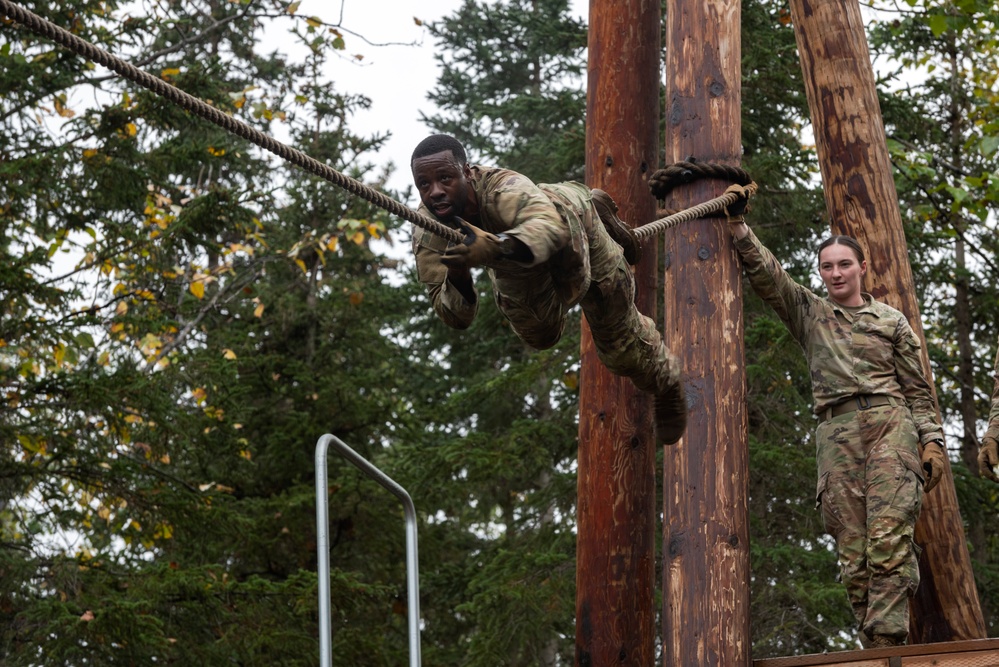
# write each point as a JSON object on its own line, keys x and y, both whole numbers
{"x": 622, "y": 234}
{"x": 884, "y": 641}
{"x": 670, "y": 414}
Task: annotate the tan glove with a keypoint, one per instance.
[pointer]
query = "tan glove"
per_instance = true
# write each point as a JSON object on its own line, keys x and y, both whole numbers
{"x": 478, "y": 248}
{"x": 934, "y": 463}
{"x": 988, "y": 458}
{"x": 741, "y": 205}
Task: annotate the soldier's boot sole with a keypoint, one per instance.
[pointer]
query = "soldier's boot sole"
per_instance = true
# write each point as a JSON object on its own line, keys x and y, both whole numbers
{"x": 670, "y": 413}
{"x": 622, "y": 234}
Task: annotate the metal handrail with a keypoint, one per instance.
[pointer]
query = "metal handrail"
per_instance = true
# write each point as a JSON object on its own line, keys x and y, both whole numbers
{"x": 323, "y": 539}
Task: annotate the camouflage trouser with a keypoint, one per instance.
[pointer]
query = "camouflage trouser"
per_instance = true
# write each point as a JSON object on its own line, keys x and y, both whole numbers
{"x": 870, "y": 489}
{"x": 627, "y": 342}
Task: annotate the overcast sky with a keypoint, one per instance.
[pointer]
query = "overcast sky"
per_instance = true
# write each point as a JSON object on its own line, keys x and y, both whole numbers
{"x": 397, "y": 76}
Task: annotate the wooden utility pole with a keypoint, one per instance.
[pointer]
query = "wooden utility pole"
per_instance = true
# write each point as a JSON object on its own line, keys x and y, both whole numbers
{"x": 615, "y": 555}
{"x": 705, "y": 514}
{"x": 862, "y": 202}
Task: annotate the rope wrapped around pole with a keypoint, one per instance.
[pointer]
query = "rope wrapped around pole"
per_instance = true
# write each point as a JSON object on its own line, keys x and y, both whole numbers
{"x": 47, "y": 29}
{"x": 664, "y": 180}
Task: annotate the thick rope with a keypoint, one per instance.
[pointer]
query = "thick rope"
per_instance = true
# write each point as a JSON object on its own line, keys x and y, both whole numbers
{"x": 661, "y": 182}
{"x": 44, "y": 28}
{"x": 686, "y": 215}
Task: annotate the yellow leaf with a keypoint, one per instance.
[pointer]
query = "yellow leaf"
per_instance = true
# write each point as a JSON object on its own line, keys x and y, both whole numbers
{"x": 168, "y": 72}
{"x": 331, "y": 246}
{"x": 313, "y": 22}
{"x": 59, "y": 353}
{"x": 301, "y": 265}
{"x": 259, "y": 310}
{"x": 239, "y": 103}
{"x": 217, "y": 152}
{"x": 121, "y": 308}
{"x": 134, "y": 525}
{"x": 117, "y": 326}
{"x": 293, "y": 7}
{"x": 62, "y": 110}
{"x": 245, "y": 454}
{"x": 374, "y": 231}
{"x": 198, "y": 289}
{"x": 228, "y": 354}
{"x": 131, "y": 130}
{"x": 89, "y": 153}
{"x": 571, "y": 380}
{"x": 358, "y": 238}
{"x": 104, "y": 513}
{"x": 199, "y": 395}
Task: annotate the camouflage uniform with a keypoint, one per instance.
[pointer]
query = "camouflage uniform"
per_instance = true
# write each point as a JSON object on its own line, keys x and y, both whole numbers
{"x": 870, "y": 483}
{"x": 993, "y": 430}
{"x": 574, "y": 261}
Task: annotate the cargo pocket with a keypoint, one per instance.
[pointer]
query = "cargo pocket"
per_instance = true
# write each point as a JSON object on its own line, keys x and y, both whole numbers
{"x": 826, "y": 504}
{"x": 820, "y": 488}
{"x": 908, "y": 496}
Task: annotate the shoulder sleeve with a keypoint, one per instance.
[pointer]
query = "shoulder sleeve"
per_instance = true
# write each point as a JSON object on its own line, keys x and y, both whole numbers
{"x": 514, "y": 204}
{"x": 449, "y": 304}
{"x": 912, "y": 380}
{"x": 793, "y": 303}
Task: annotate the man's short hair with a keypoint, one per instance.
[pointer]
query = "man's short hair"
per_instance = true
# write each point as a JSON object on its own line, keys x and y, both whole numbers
{"x": 437, "y": 143}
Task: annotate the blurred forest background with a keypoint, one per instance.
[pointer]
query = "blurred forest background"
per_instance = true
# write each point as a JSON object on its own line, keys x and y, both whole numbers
{"x": 182, "y": 316}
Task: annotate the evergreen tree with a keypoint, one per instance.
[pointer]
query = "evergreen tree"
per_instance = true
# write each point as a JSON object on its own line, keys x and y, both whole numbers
{"x": 511, "y": 87}
{"x": 165, "y": 382}
{"x": 945, "y": 138}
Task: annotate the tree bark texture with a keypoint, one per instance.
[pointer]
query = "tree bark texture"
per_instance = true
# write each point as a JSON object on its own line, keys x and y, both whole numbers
{"x": 705, "y": 505}
{"x": 862, "y": 202}
{"x": 615, "y": 554}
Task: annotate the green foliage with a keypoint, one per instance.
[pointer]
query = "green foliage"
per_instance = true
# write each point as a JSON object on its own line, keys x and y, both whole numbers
{"x": 511, "y": 87}
{"x": 944, "y": 134}
{"x": 182, "y": 317}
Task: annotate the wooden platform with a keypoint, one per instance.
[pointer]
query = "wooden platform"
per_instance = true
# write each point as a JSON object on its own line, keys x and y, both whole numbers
{"x": 972, "y": 653}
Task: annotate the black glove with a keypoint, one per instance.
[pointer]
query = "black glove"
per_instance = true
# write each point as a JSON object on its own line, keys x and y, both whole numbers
{"x": 478, "y": 248}
{"x": 740, "y": 205}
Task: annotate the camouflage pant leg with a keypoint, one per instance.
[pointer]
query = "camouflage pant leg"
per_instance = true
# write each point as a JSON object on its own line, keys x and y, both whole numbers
{"x": 870, "y": 489}
{"x": 531, "y": 304}
{"x": 627, "y": 342}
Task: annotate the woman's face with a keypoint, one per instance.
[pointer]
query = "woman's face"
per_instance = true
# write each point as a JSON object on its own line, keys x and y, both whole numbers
{"x": 842, "y": 274}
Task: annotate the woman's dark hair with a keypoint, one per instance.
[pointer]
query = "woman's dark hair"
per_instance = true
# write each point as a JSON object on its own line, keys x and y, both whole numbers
{"x": 848, "y": 241}
{"x": 437, "y": 143}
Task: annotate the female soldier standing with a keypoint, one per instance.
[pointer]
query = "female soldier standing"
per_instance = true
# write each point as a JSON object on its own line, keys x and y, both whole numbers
{"x": 875, "y": 408}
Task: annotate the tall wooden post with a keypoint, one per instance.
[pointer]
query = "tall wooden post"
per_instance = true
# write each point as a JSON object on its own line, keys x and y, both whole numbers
{"x": 862, "y": 202}
{"x": 615, "y": 556}
{"x": 706, "y": 514}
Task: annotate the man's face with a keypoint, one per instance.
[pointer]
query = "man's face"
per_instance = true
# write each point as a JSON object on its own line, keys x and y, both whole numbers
{"x": 443, "y": 185}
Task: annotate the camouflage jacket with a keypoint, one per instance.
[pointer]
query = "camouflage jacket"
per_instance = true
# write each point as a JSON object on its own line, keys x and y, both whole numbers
{"x": 993, "y": 430}
{"x": 544, "y": 217}
{"x": 850, "y": 351}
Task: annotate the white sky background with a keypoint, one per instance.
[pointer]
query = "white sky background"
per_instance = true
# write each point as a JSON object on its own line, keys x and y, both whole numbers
{"x": 396, "y": 77}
